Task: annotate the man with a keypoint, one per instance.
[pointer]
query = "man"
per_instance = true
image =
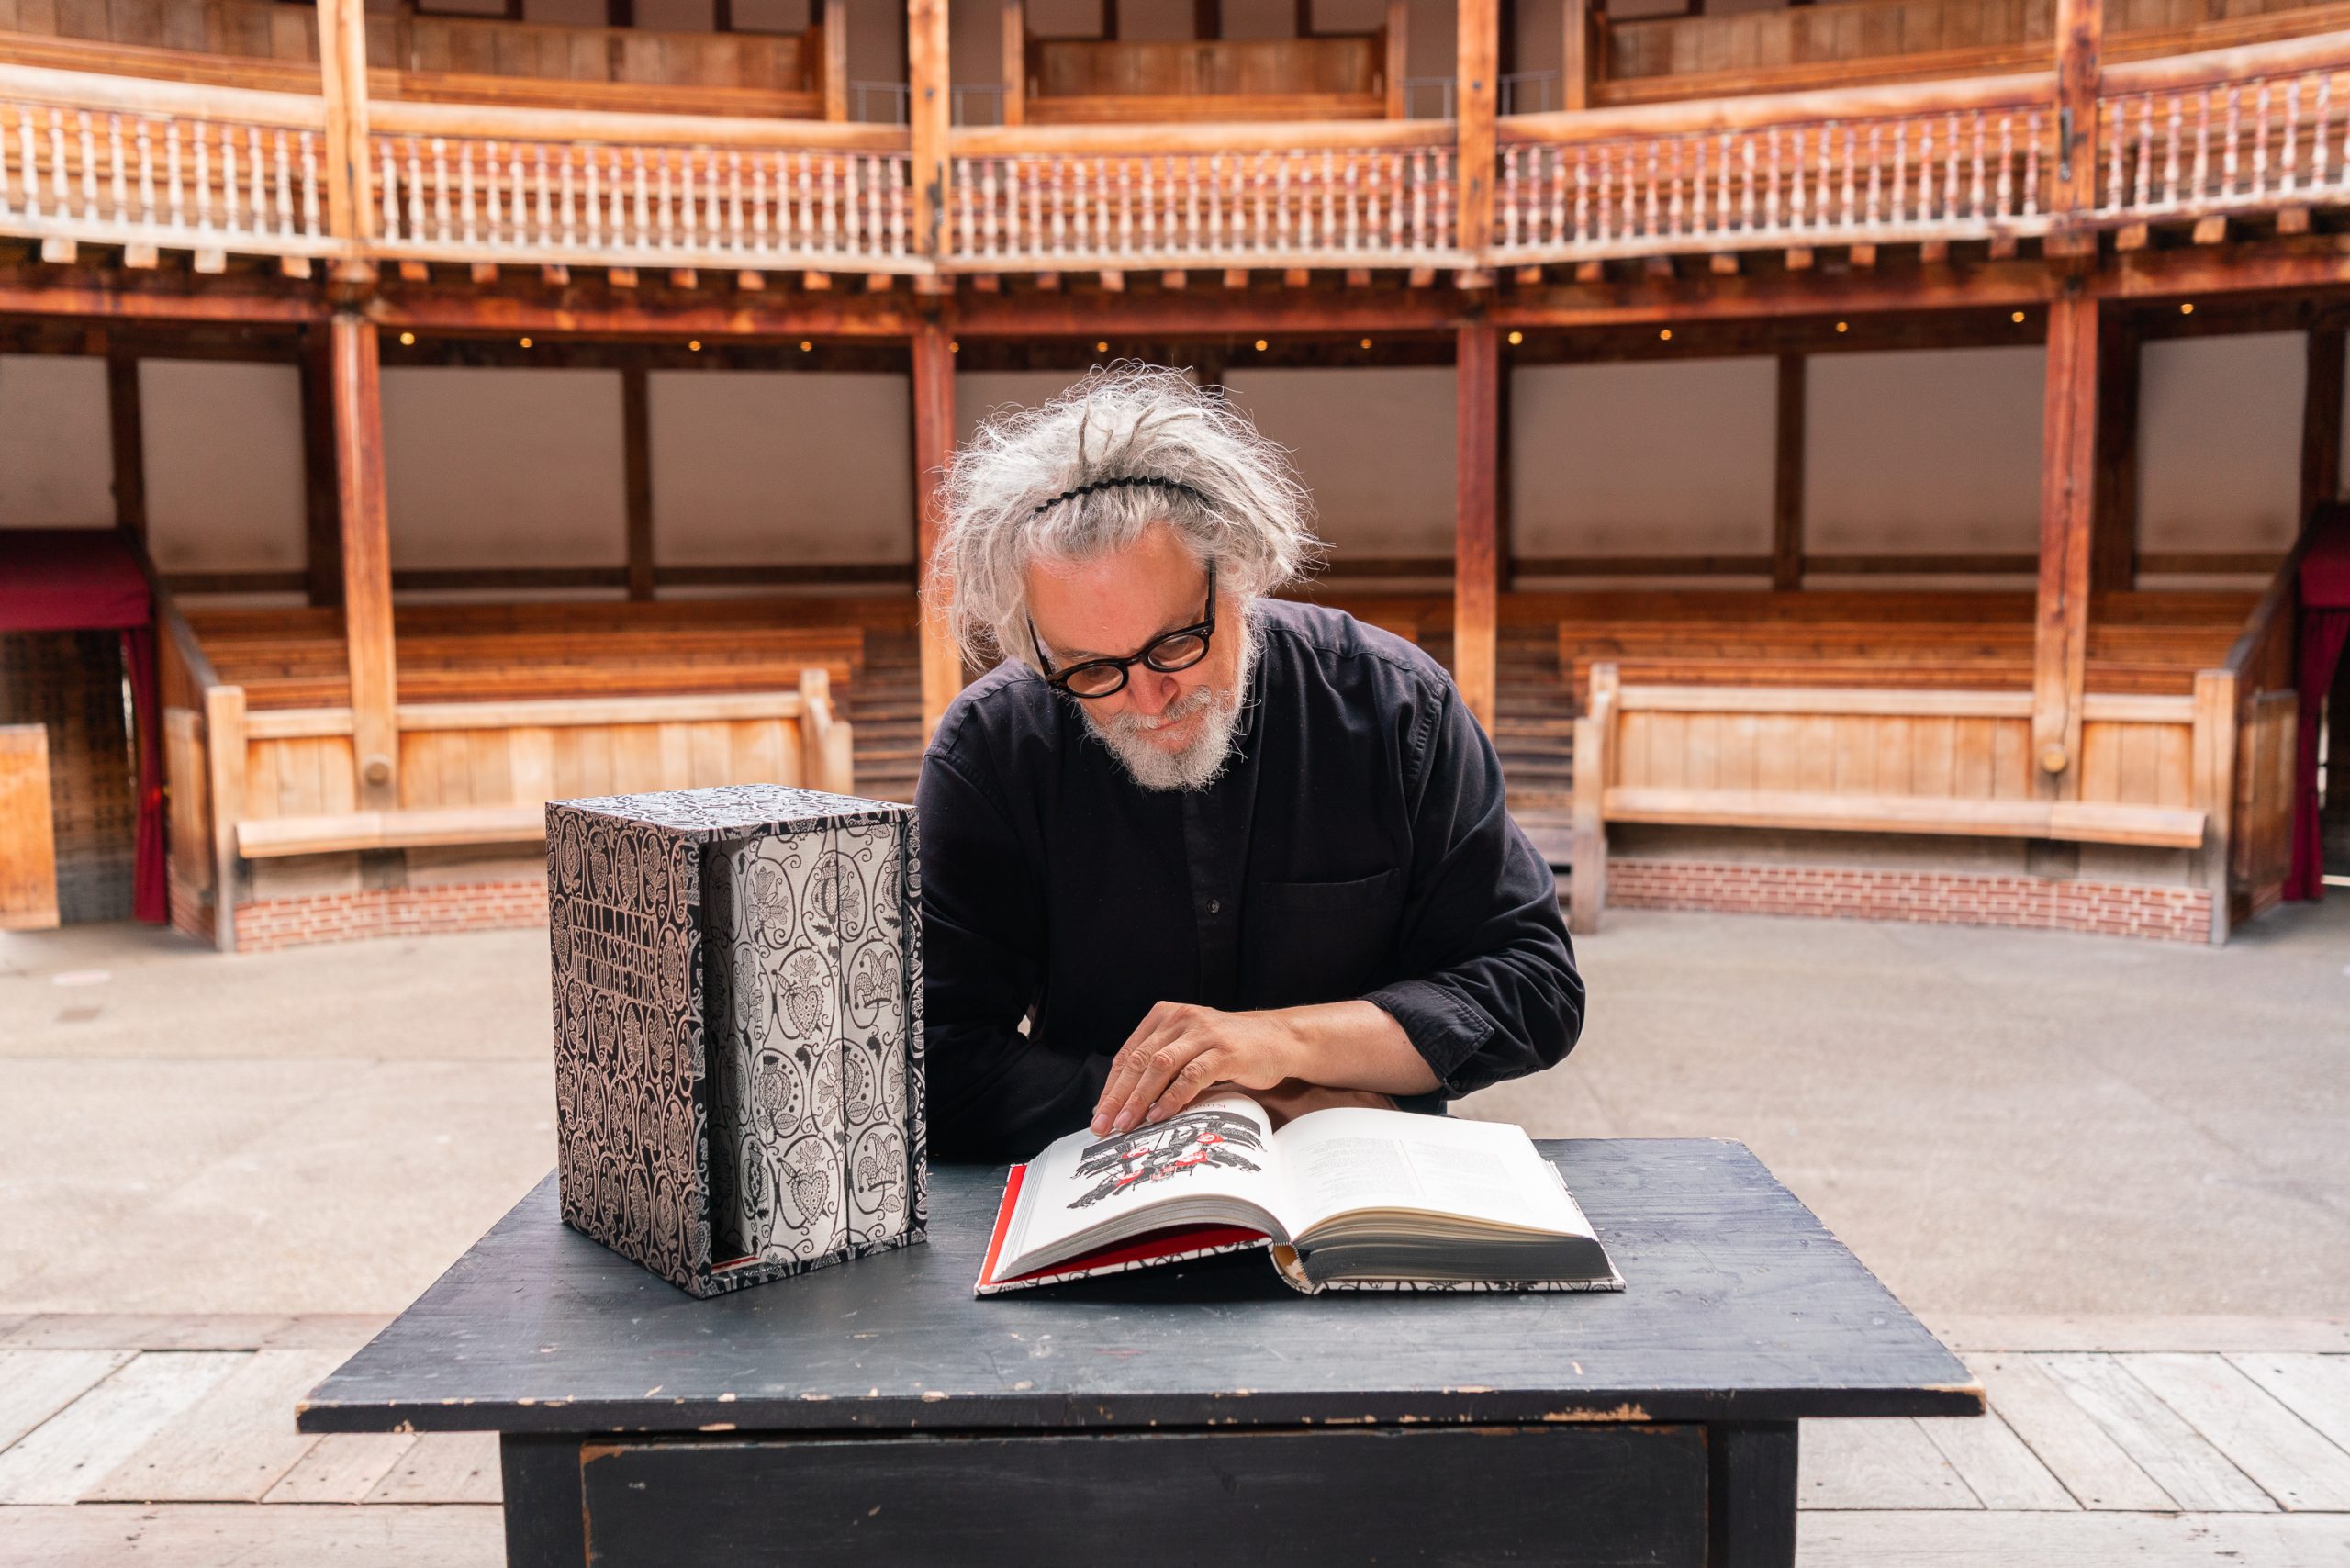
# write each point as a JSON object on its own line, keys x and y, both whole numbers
{"x": 1186, "y": 835}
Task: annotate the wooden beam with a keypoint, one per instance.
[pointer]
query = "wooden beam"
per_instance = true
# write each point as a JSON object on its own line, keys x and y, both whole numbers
{"x": 126, "y": 433}
{"x": 2068, "y": 463}
{"x": 322, "y": 493}
{"x": 1397, "y": 38}
{"x": 1207, "y": 20}
{"x": 1474, "y": 103}
{"x": 1787, "y": 474}
{"x": 835, "y": 44}
{"x": 2080, "y": 36}
{"x": 366, "y": 559}
{"x": 343, "y": 82}
{"x": 636, "y": 455}
{"x": 933, "y": 396}
{"x": 1015, "y": 61}
{"x": 2114, "y": 554}
{"x": 929, "y": 97}
{"x": 1477, "y": 550}
{"x": 2322, "y": 425}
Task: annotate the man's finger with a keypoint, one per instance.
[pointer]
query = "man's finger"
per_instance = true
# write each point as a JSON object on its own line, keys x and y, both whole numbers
{"x": 1190, "y": 1082}
{"x": 1158, "y": 1069}
{"x": 1127, "y": 1066}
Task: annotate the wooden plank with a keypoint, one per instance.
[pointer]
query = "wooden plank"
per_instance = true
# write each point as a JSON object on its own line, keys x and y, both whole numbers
{"x": 2092, "y": 1466}
{"x": 1825, "y": 699}
{"x": 366, "y": 554}
{"x": 224, "y": 728}
{"x": 1478, "y": 551}
{"x": 512, "y": 824}
{"x": 1996, "y": 1464}
{"x": 2315, "y": 1387}
{"x": 70, "y": 1453}
{"x": 37, "y": 1384}
{"x": 443, "y": 1467}
{"x": 553, "y": 712}
{"x": 2060, "y": 649}
{"x": 342, "y": 1467}
{"x": 1876, "y": 1464}
{"x": 2291, "y": 1460}
{"x": 232, "y": 1444}
{"x": 1911, "y": 1540}
{"x": 191, "y": 1331}
{"x": 28, "y": 831}
{"x": 2196, "y": 1475}
{"x": 197, "y": 1535}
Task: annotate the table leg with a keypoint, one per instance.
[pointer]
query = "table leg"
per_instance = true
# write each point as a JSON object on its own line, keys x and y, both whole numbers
{"x": 546, "y": 1517}
{"x": 1751, "y": 1494}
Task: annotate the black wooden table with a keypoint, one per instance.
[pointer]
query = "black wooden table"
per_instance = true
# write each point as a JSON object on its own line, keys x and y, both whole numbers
{"x": 878, "y": 1413}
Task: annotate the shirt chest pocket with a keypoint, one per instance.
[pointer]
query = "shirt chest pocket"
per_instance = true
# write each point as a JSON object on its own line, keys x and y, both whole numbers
{"x": 1315, "y": 942}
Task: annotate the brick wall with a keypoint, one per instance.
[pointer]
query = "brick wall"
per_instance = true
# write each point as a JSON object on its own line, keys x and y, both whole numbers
{"x": 190, "y": 909}
{"x": 270, "y": 924}
{"x": 1941, "y": 898}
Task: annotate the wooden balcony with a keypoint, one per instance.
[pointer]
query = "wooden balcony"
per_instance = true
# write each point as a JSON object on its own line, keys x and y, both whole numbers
{"x": 1330, "y": 76}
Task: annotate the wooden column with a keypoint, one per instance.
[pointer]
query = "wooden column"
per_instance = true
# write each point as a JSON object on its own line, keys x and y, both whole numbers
{"x": 930, "y": 97}
{"x": 1583, "y": 17}
{"x": 636, "y": 457}
{"x": 1207, "y": 20}
{"x": 2322, "y": 425}
{"x": 1015, "y": 63}
{"x": 836, "y": 42}
{"x": 2114, "y": 554}
{"x": 342, "y": 80}
{"x": 125, "y": 431}
{"x": 2069, "y": 462}
{"x": 1473, "y": 104}
{"x": 366, "y": 559}
{"x": 1787, "y": 485}
{"x": 934, "y": 386}
{"x": 2080, "y": 35}
{"x": 321, "y": 491}
{"x": 1477, "y": 545}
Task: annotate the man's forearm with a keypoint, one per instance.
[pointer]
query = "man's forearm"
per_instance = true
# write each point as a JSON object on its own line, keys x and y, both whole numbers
{"x": 1357, "y": 1045}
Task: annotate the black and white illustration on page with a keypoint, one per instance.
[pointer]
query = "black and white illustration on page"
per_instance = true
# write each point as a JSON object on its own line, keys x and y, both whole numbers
{"x": 1131, "y": 1164}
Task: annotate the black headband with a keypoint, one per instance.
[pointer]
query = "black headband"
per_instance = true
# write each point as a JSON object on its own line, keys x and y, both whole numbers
{"x": 1127, "y": 483}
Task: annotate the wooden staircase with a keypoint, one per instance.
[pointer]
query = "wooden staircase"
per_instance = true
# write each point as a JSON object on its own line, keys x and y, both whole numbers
{"x": 1534, "y": 730}
{"x": 884, "y": 711}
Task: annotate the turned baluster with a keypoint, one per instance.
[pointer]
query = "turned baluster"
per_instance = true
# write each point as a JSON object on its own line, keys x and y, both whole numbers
{"x": 2228, "y": 170}
{"x": 2031, "y": 163}
{"x": 2260, "y": 142}
{"x": 2321, "y": 146}
{"x": 595, "y": 158}
{"x": 89, "y": 166}
{"x": 2288, "y": 175}
{"x": 1974, "y": 184}
{"x": 1126, "y": 205}
{"x": 1746, "y": 167}
{"x": 1951, "y": 155}
{"x": 2203, "y": 148}
{"x": 440, "y": 221}
{"x": 2176, "y": 136}
{"x": 117, "y": 184}
{"x": 1849, "y": 208}
{"x": 2144, "y": 173}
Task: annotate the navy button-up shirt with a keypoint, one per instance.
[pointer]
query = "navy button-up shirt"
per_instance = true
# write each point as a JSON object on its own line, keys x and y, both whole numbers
{"x": 1357, "y": 845}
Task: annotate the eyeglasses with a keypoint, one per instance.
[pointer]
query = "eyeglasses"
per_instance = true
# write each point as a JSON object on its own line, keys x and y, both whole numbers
{"x": 1101, "y": 677}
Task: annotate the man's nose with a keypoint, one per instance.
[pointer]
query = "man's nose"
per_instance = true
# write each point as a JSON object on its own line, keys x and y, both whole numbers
{"x": 1149, "y": 691}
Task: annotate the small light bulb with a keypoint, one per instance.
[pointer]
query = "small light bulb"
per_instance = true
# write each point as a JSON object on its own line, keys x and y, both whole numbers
{"x": 2188, "y": 308}
{"x": 1843, "y": 326}
{"x": 693, "y": 345}
{"x": 953, "y": 346}
{"x": 1515, "y": 339}
{"x": 805, "y": 345}
{"x": 1260, "y": 345}
{"x": 1366, "y": 343}
{"x": 526, "y": 342}
{"x": 1665, "y": 336}
{"x": 407, "y": 340}
{"x": 2016, "y": 317}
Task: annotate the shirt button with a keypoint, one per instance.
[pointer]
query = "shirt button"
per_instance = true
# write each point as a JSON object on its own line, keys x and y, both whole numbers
{"x": 1216, "y": 906}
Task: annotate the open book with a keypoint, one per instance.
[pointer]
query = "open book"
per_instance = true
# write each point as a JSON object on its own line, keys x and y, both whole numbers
{"x": 1343, "y": 1199}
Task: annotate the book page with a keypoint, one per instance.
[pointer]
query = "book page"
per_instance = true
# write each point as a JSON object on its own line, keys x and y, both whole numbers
{"x": 1342, "y": 1159}
{"x": 1191, "y": 1165}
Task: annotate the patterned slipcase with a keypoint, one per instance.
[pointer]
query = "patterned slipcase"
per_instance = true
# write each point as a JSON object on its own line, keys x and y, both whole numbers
{"x": 738, "y": 1028}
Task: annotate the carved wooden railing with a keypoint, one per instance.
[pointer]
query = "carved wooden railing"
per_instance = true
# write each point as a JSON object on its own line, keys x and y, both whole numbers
{"x": 2259, "y": 129}
{"x": 1371, "y": 194}
{"x": 1955, "y": 161}
{"x": 675, "y": 191}
{"x": 146, "y": 164}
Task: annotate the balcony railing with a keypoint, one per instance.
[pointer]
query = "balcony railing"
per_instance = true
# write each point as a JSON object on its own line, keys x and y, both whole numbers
{"x": 145, "y": 163}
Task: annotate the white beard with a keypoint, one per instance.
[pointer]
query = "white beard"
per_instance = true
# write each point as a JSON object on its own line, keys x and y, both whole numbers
{"x": 1198, "y": 765}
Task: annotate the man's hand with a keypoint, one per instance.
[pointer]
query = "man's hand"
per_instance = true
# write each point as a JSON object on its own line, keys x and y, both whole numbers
{"x": 1288, "y": 1101}
{"x": 1181, "y": 1049}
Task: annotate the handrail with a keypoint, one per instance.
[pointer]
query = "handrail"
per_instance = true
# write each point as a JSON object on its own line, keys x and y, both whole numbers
{"x": 151, "y": 96}
{"x": 1759, "y": 110}
{"x": 2314, "y": 51}
{"x": 171, "y": 618}
{"x": 409, "y": 117}
{"x": 2276, "y": 599}
{"x": 1283, "y": 136}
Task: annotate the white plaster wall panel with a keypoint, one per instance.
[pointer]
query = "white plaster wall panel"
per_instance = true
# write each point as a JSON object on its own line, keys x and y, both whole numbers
{"x": 1930, "y": 452}
{"x": 987, "y": 394}
{"x": 876, "y": 42}
{"x": 1435, "y": 40}
{"x": 781, "y": 467}
{"x": 56, "y": 452}
{"x": 2219, "y": 441}
{"x": 504, "y": 467}
{"x": 1671, "y": 458}
{"x": 1374, "y": 446}
{"x": 223, "y": 446}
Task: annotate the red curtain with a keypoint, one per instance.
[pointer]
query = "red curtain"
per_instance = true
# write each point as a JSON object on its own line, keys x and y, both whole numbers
{"x": 2324, "y": 593}
{"x": 150, "y": 901}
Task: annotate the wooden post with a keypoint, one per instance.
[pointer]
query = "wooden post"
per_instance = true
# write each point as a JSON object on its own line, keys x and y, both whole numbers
{"x": 2080, "y": 35}
{"x": 929, "y": 96}
{"x": 835, "y": 41}
{"x": 125, "y": 431}
{"x": 342, "y": 80}
{"x": 1015, "y": 63}
{"x": 1474, "y": 98}
{"x": 2321, "y": 423}
{"x": 1786, "y": 486}
{"x": 1574, "y": 78}
{"x": 933, "y": 388}
{"x": 1587, "y": 848}
{"x": 367, "y": 560}
{"x": 1398, "y": 39}
{"x": 224, "y": 761}
{"x": 636, "y": 455}
{"x": 321, "y": 492}
{"x": 2214, "y": 761}
{"x": 2113, "y": 556}
{"x": 2068, "y": 461}
{"x": 1476, "y": 550}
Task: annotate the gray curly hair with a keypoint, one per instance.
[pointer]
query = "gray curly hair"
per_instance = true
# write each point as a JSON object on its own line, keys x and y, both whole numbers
{"x": 1242, "y": 505}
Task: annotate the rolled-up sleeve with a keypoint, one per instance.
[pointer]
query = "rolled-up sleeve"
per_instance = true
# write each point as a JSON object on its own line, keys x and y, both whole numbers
{"x": 1493, "y": 992}
{"x": 990, "y": 1091}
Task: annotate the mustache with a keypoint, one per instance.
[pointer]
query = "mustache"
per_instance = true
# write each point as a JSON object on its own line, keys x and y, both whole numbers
{"x": 1175, "y": 713}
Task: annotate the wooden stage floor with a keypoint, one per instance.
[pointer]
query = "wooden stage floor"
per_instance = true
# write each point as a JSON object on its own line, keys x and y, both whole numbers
{"x": 2149, "y": 1441}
